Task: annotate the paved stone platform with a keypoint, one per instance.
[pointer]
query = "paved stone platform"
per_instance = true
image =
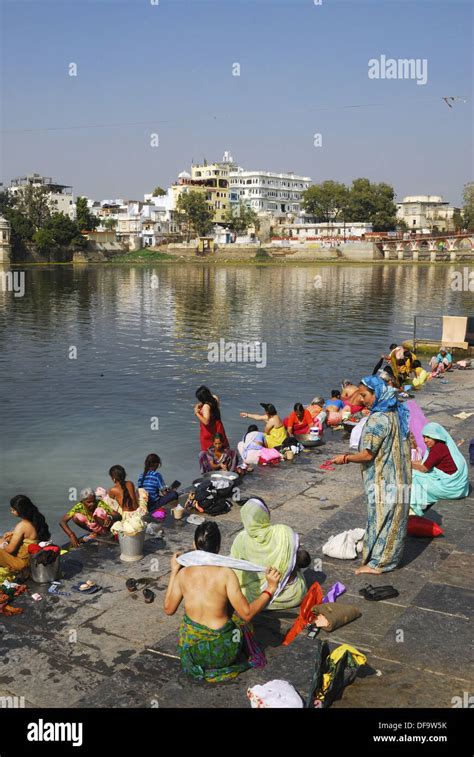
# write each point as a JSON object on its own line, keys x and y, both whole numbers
{"x": 113, "y": 650}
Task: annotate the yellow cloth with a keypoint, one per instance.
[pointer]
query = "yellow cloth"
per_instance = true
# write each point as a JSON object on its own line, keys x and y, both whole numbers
{"x": 336, "y": 655}
{"x": 276, "y": 437}
{"x": 421, "y": 377}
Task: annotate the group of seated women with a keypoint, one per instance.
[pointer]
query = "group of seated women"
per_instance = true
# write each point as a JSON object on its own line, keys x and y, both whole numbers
{"x": 98, "y": 510}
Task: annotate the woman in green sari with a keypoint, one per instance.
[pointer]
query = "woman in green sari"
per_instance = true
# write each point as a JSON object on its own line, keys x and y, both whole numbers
{"x": 264, "y": 544}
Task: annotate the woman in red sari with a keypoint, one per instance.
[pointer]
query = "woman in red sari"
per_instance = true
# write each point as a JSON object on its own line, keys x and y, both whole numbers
{"x": 208, "y": 413}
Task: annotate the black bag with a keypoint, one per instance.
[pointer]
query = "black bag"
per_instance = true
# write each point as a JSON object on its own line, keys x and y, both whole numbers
{"x": 209, "y": 500}
{"x": 341, "y": 673}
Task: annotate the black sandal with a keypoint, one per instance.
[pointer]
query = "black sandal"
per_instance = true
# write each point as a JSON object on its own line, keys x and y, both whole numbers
{"x": 149, "y": 596}
{"x": 377, "y": 593}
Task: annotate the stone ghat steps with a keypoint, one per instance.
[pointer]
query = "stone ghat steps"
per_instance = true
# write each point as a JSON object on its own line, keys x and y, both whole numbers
{"x": 64, "y": 650}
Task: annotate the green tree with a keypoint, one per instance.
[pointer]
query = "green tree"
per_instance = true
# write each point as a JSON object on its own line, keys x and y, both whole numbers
{"x": 328, "y": 201}
{"x": 58, "y": 233}
{"x": 33, "y": 202}
{"x": 22, "y": 229}
{"x": 86, "y": 220}
{"x": 458, "y": 221}
{"x": 159, "y": 192}
{"x": 372, "y": 203}
{"x": 109, "y": 223}
{"x": 240, "y": 219}
{"x": 468, "y": 206}
{"x": 196, "y": 213}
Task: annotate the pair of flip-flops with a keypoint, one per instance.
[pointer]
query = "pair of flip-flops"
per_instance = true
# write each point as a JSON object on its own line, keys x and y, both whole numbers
{"x": 88, "y": 587}
{"x": 133, "y": 585}
{"x": 377, "y": 593}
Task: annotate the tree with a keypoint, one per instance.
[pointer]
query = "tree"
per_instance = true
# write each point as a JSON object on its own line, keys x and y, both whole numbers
{"x": 196, "y": 213}
{"x": 241, "y": 218}
{"x": 327, "y": 201}
{"x": 468, "y": 207}
{"x": 58, "y": 232}
{"x": 33, "y": 202}
{"x": 109, "y": 223}
{"x": 22, "y": 229}
{"x": 86, "y": 220}
{"x": 159, "y": 192}
{"x": 458, "y": 221}
{"x": 372, "y": 203}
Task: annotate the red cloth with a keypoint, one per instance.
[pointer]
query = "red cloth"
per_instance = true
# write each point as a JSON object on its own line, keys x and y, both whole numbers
{"x": 418, "y": 526}
{"x": 314, "y": 596}
{"x": 300, "y": 427}
{"x": 353, "y": 408}
{"x": 440, "y": 457}
{"x": 207, "y": 434}
{"x": 33, "y": 549}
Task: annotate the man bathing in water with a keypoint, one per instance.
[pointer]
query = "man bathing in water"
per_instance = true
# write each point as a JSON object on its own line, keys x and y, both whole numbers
{"x": 210, "y": 639}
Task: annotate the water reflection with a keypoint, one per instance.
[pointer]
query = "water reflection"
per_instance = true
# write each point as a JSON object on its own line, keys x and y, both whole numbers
{"x": 142, "y": 337}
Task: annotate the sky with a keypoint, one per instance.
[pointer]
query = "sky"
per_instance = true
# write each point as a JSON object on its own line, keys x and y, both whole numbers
{"x": 166, "y": 68}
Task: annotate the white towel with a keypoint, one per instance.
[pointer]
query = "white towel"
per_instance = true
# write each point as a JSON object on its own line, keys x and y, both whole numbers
{"x": 199, "y": 557}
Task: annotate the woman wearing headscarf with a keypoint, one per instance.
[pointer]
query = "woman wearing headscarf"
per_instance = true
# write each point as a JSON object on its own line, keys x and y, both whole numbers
{"x": 384, "y": 452}
{"x": 442, "y": 474}
{"x": 264, "y": 544}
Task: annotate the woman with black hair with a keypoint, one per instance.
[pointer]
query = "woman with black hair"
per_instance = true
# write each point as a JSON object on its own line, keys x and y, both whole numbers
{"x": 31, "y": 529}
{"x": 213, "y": 641}
{"x": 208, "y": 413}
{"x": 122, "y": 491}
{"x": 275, "y": 431}
{"x": 152, "y": 481}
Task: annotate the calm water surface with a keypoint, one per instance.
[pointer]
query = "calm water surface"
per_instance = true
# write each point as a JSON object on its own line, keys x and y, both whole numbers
{"x": 142, "y": 336}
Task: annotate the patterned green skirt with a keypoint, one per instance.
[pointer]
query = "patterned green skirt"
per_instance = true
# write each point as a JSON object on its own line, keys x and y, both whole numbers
{"x": 211, "y": 655}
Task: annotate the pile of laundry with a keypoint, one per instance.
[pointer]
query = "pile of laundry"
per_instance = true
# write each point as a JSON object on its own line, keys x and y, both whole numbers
{"x": 8, "y": 591}
{"x": 132, "y": 523}
{"x": 44, "y": 555}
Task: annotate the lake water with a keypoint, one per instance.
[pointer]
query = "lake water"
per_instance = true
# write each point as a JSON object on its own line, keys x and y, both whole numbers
{"x": 141, "y": 337}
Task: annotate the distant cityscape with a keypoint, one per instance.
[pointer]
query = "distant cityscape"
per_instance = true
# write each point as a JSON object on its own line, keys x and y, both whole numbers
{"x": 275, "y": 198}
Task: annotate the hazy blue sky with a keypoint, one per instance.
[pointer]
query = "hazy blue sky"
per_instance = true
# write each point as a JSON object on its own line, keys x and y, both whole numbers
{"x": 170, "y": 66}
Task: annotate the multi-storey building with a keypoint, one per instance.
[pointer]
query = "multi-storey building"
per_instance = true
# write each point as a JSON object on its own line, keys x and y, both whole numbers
{"x": 60, "y": 196}
{"x": 278, "y": 194}
{"x": 426, "y": 213}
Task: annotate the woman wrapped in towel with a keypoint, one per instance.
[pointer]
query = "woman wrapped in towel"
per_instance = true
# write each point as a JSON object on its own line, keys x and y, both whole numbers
{"x": 214, "y": 644}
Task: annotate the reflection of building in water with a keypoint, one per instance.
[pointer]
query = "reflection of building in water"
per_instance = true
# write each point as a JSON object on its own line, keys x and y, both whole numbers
{"x": 251, "y": 304}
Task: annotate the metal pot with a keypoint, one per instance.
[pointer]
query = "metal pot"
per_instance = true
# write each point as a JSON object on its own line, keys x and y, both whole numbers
{"x": 233, "y": 479}
{"x": 307, "y": 441}
{"x": 131, "y": 547}
{"x": 44, "y": 574}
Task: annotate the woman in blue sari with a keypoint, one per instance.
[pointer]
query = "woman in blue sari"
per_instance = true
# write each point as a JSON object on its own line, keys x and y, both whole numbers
{"x": 384, "y": 452}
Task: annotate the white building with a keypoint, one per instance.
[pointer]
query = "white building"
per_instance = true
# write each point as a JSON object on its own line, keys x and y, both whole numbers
{"x": 60, "y": 196}
{"x": 333, "y": 230}
{"x": 426, "y": 213}
{"x": 5, "y": 235}
{"x": 154, "y": 224}
{"x": 264, "y": 191}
